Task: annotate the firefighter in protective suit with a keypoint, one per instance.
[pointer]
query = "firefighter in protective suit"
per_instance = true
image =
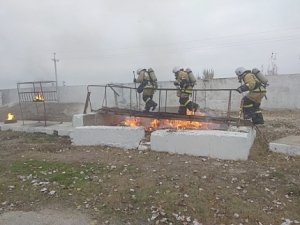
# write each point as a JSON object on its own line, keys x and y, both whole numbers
{"x": 149, "y": 82}
{"x": 185, "y": 82}
{"x": 256, "y": 91}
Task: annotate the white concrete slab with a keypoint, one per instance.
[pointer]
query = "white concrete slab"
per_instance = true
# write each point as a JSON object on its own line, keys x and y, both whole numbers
{"x": 288, "y": 145}
{"x": 228, "y": 145}
{"x": 116, "y": 136}
{"x": 62, "y": 129}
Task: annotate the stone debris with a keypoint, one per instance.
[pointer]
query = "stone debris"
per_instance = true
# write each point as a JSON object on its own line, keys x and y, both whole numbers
{"x": 236, "y": 215}
{"x": 287, "y": 222}
{"x": 52, "y": 192}
{"x": 43, "y": 190}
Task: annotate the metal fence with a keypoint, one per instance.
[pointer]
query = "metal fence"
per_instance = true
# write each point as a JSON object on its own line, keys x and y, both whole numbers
{"x": 37, "y": 93}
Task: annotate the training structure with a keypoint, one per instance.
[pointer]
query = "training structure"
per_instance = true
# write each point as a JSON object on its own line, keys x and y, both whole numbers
{"x": 118, "y": 121}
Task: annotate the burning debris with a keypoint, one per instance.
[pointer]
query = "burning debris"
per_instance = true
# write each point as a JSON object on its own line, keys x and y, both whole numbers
{"x": 10, "y": 118}
{"x": 38, "y": 98}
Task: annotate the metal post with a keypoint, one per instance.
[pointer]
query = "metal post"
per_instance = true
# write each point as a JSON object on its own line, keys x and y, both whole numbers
{"x": 229, "y": 106}
{"x": 55, "y": 70}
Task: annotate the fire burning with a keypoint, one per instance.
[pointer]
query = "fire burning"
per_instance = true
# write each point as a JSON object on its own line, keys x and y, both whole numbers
{"x": 10, "y": 118}
{"x": 38, "y": 98}
{"x": 153, "y": 124}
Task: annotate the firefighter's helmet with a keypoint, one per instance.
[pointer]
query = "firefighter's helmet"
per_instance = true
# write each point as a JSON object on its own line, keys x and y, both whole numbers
{"x": 240, "y": 71}
{"x": 188, "y": 70}
{"x": 176, "y": 69}
{"x": 139, "y": 70}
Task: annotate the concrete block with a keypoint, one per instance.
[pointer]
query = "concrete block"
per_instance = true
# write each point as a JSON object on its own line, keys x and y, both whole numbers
{"x": 228, "y": 145}
{"x": 77, "y": 120}
{"x": 116, "y": 136}
{"x": 288, "y": 145}
{"x": 62, "y": 129}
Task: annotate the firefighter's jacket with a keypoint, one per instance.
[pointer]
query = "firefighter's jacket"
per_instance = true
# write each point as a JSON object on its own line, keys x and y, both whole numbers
{"x": 149, "y": 85}
{"x": 256, "y": 90}
{"x": 185, "y": 85}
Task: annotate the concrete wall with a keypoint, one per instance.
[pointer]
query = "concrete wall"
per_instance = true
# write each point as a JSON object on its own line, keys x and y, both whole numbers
{"x": 282, "y": 94}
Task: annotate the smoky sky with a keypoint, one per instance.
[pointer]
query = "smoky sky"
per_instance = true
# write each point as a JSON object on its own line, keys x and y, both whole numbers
{"x": 102, "y": 41}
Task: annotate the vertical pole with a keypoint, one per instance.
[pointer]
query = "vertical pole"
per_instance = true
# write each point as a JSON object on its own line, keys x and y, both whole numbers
{"x": 136, "y": 94}
{"x": 42, "y": 94}
{"x": 20, "y": 102}
{"x": 166, "y": 99}
{"x": 55, "y": 71}
{"x": 229, "y": 106}
{"x": 35, "y": 101}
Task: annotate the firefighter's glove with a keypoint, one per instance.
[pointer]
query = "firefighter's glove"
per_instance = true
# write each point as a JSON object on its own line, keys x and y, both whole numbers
{"x": 134, "y": 80}
{"x": 242, "y": 88}
{"x": 239, "y": 90}
{"x": 183, "y": 84}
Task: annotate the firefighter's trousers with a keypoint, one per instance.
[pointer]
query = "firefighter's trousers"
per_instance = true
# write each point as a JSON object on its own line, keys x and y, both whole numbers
{"x": 186, "y": 103}
{"x": 149, "y": 102}
{"x": 251, "y": 110}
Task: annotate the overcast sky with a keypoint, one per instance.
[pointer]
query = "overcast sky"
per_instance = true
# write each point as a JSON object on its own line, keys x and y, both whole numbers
{"x": 101, "y": 41}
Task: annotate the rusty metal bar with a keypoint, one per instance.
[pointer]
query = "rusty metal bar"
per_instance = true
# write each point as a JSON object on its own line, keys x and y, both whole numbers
{"x": 175, "y": 116}
{"x": 87, "y": 100}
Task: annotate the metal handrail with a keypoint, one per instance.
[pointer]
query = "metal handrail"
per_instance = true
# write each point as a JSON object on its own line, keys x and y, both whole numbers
{"x": 162, "y": 107}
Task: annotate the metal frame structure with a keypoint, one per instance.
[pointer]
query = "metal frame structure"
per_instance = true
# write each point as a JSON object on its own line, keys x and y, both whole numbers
{"x": 162, "y": 107}
{"x": 37, "y": 92}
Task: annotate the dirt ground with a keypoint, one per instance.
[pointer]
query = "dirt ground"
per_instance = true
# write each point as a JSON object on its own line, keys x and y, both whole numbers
{"x": 112, "y": 186}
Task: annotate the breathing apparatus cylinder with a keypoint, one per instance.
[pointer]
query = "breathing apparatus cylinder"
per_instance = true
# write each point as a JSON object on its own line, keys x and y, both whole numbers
{"x": 152, "y": 74}
{"x": 259, "y": 75}
{"x": 192, "y": 78}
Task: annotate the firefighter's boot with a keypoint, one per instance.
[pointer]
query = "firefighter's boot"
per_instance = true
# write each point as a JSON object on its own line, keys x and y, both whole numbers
{"x": 148, "y": 103}
{"x": 258, "y": 118}
{"x": 195, "y": 107}
{"x": 182, "y": 110}
{"x": 146, "y": 110}
{"x": 192, "y": 106}
{"x": 154, "y": 104}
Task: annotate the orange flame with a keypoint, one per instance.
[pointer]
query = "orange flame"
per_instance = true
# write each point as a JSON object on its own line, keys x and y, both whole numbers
{"x": 10, "y": 116}
{"x": 38, "y": 98}
{"x": 132, "y": 122}
{"x": 152, "y": 124}
{"x": 197, "y": 113}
